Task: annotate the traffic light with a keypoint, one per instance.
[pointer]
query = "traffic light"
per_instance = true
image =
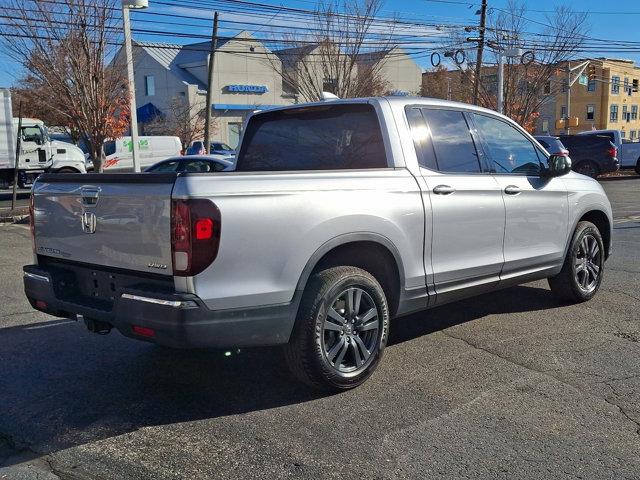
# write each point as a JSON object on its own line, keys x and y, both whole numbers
{"x": 591, "y": 71}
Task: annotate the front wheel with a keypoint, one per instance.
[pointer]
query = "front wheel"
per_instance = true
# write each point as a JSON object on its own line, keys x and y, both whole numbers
{"x": 582, "y": 271}
{"x": 638, "y": 167}
{"x": 341, "y": 329}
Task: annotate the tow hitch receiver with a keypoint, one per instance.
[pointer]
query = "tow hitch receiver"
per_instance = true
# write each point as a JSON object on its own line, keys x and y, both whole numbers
{"x": 97, "y": 326}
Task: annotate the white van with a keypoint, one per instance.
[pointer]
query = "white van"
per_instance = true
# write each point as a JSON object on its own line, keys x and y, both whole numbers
{"x": 118, "y": 156}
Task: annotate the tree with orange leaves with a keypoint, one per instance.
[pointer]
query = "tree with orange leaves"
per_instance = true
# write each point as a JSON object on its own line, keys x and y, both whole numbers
{"x": 63, "y": 47}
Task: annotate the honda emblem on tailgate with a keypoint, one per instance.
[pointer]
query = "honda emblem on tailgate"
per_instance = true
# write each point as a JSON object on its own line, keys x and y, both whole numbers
{"x": 89, "y": 222}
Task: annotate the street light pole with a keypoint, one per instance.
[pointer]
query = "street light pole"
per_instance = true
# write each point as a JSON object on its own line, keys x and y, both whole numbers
{"x": 133, "y": 116}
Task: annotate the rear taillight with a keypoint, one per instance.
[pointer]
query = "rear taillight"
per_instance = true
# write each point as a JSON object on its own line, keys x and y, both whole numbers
{"x": 195, "y": 235}
{"x": 612, "y": 152}
{"x": 32, "y": 223}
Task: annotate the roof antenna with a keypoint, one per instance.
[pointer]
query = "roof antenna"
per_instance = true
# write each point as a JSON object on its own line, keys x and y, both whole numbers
{"x": 328, "y": 96}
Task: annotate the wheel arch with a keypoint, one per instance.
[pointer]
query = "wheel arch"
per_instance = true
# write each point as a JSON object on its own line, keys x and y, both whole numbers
{"x": 600, "y": 220}
{"x": 367, "y": 250}
{"x": 67, "y": 170}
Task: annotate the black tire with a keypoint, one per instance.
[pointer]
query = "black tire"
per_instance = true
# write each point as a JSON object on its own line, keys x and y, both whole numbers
{"x": 638, "y": 167}
{"x": 588, "y": 168}
{"x": 568, "y": 284}
{"x": 311, "y": 341}
{"x": 67, "y": 170}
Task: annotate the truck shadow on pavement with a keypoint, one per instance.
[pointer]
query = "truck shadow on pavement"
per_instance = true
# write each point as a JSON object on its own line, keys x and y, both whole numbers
{"x": 61, "y": 386}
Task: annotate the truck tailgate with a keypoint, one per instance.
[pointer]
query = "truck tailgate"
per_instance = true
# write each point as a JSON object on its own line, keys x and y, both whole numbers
{"x": 115, "y": 220}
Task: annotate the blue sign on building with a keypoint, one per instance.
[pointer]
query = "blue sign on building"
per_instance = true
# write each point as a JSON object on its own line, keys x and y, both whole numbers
{"x": 247, "y": 88}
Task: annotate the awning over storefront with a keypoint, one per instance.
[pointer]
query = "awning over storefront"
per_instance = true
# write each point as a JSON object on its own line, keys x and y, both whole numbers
{"x": 148, "y": 112}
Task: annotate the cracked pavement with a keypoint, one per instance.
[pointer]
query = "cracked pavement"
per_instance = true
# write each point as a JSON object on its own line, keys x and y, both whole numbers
{"x": 506, "y": 385}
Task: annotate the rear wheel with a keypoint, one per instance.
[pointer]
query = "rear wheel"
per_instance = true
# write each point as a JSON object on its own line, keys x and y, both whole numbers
{"x": 582, "y": 271}
{"x": 638, "y": 167}
{"x": 341, "y": 329}
{"x": 588, "y": 168}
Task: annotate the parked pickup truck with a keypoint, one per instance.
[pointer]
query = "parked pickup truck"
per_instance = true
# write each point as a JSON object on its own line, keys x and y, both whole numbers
{"x": 340, "y": 216}
{"x": 591, "y": 155}
{"x": 628, "y": 151}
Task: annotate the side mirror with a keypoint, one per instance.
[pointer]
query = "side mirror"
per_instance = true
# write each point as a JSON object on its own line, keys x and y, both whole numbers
{"x": 558, "y": 165}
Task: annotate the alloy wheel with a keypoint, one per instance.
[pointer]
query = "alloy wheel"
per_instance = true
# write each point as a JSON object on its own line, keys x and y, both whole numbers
{"x": 588, "y": 264}
{"x": 350, "y": 331}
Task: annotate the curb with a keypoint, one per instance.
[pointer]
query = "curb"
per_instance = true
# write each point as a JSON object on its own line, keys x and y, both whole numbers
{"x": 19, "y": 215}
{"x": 611, "y": 179}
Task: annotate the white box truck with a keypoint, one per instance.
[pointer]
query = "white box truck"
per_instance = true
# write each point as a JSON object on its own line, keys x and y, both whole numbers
{"x": 38, "y": 152}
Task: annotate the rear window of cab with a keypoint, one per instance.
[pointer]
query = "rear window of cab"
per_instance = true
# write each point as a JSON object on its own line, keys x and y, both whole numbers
{"x": 324, "y": 137}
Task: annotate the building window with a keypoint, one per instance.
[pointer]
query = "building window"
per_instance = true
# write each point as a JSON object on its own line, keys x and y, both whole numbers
{"x": 547, "y": 88}
{"x": 634, "y": 112}
{"x": 615, "y": 85}
{"x": 149, "y": 85}
{"x": 623, "y": 134}
{"x": 545, "y": 126}
{"x": 565, "y": 86}
{"x": 632, "y": 134}
{"x": 329, "y": 85}
{"x": 624, "y": 114}
{"x": 627, "y": 87}
{"x": 591, "y": 112}
{"x": 563, "y": 111}
{"x": 591, "y": 86}
{"x": 613, "y": 116}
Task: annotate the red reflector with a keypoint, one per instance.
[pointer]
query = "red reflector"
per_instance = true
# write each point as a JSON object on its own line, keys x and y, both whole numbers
{"x": 204, "y": 229}
{"x": 144, "y": 331}
{"x": 41, "y": 304}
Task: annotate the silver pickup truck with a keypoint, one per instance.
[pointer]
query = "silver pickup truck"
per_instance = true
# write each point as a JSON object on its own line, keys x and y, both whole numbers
{"x": 339, "y": 217}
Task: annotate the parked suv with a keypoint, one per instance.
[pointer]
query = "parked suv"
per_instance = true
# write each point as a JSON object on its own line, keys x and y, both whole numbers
{"x": 591, "y": 155}
{"x": 339, "y": 217}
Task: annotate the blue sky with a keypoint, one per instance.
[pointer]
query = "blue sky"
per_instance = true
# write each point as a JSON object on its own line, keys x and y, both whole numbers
{"x": 620, "y": 23}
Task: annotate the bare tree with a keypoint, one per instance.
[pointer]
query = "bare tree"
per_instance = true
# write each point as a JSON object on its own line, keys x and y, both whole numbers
{"x": 343, "y": 55}
{"x": 183, "y": 120}
{"x": 63, "y": 46}
{"x": 527, "y": 84}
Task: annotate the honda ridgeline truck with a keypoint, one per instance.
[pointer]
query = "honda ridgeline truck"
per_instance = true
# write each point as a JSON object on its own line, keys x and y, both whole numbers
{"x": 340, "y": 216}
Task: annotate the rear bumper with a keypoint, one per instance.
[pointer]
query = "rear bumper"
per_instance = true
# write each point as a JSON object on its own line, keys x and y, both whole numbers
{"x": 176, "y": 319}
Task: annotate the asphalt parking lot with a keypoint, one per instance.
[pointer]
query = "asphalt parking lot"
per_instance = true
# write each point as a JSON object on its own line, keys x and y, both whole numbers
{"x": 507, "y": 385}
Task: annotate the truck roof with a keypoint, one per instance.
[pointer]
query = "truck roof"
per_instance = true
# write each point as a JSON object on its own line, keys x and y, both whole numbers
{"x": 400, "y": 101}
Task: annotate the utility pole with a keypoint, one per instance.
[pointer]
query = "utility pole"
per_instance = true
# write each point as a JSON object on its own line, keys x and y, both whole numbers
{"x": 212, "y": 54}
{"x": 476, "y": 80}
{"x": 500, "y": 82}
{"x": 568, "y": 128}
{"x": 17, "y": 164}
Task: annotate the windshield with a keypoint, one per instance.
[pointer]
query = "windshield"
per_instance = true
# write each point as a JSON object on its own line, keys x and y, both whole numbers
{"x": 221, "y": 146}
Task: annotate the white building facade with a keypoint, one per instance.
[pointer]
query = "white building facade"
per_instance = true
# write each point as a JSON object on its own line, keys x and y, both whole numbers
{"x": 244, "y": 80}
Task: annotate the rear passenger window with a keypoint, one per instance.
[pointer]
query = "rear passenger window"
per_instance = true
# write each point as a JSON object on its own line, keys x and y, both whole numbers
{"x": 509, "y": 150}
{"x": 452, "y": 143}
{"x": 421, "y": 138}
{"x": 331, "y": 137}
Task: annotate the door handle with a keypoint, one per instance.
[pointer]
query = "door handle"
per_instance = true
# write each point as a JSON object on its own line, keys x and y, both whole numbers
{"x": 512, "y": 190}
{"x": 443, "y": 190}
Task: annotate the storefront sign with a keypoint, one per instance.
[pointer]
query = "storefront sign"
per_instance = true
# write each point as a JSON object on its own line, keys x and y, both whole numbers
{"x": 247, "y": 88}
